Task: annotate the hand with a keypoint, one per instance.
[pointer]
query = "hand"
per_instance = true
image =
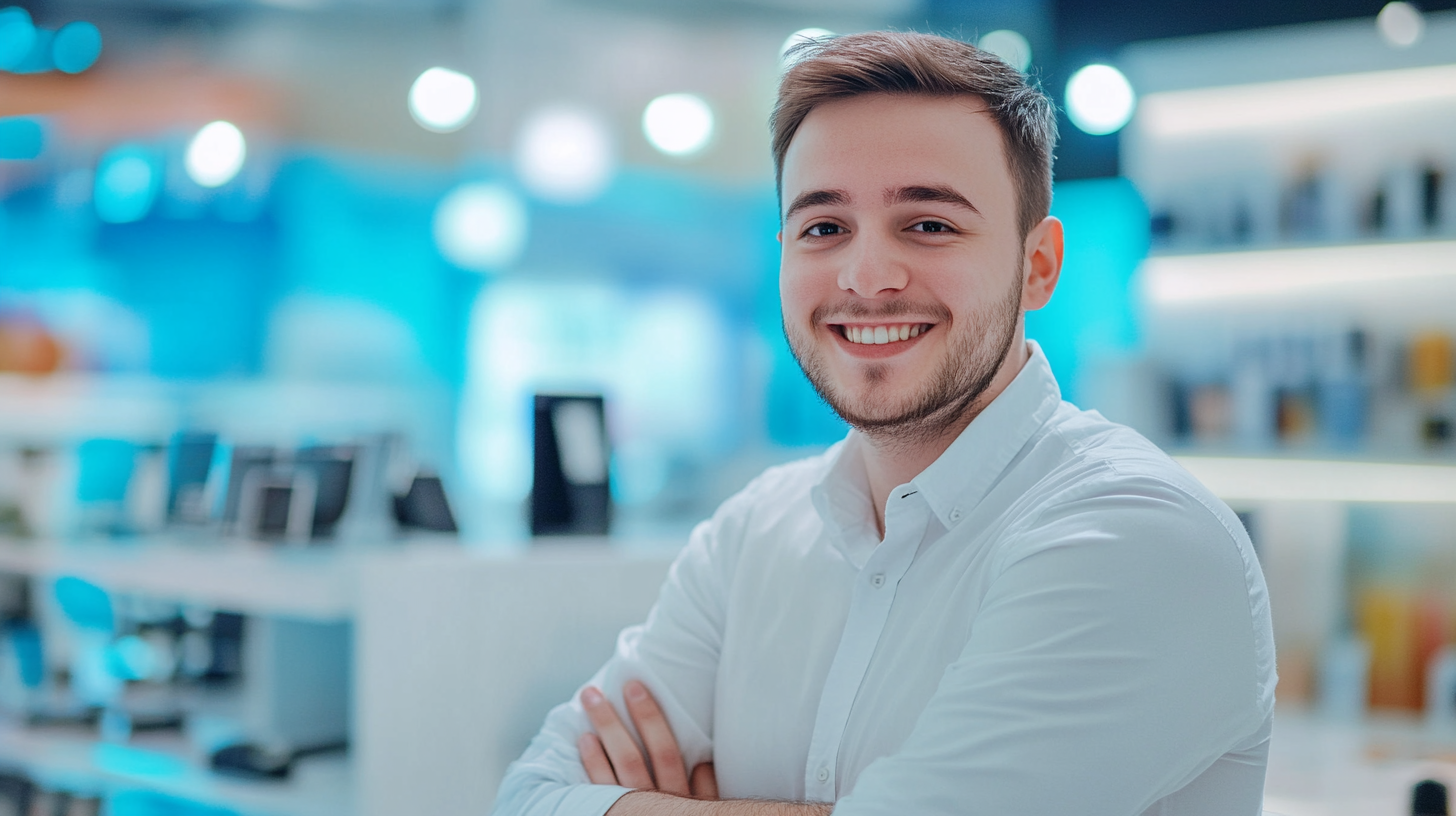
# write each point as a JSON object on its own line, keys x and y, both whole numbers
{"x": 611, "y": 757}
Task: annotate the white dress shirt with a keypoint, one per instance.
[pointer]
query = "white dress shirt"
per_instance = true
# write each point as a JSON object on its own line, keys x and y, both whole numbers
{"x": 1059, "y": 620}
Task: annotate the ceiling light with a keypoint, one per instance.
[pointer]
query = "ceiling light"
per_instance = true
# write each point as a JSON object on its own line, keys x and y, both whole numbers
{"x": 442, "y": 100}
{"x": 564, "y": 155}
{"x": 1401, "y": 24}
{"x": 481, "y": 227}
{"x": 678, "y": 124}
{"x": 1100, "y": 100}
{"x": 1011, "y": 47}
{"x": 216, "y": 154}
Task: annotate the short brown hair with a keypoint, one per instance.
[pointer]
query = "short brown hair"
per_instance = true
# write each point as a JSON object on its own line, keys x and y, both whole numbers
{"x": 922, "y": 64}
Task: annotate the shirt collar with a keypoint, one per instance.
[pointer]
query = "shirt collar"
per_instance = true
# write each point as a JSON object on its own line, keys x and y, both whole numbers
{"x": 961, "y": 477}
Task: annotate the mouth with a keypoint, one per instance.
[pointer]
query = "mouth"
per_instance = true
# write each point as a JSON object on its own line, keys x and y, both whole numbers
{"x": 878, "y": 340}
{"x": 881, "y": 334}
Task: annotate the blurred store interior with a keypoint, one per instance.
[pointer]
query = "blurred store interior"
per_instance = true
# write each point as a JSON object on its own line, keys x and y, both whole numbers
{"x": 336, "y": 334}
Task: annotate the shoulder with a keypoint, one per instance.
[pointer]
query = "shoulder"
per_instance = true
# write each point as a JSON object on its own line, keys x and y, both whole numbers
{"x": 1141, "y": 521}
{"x": 1088, "y": 463}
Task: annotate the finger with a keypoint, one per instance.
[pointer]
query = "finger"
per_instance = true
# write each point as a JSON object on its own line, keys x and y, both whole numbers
{"x": 704, "y": 783}
{"x": 594, "y": 760}
{"x": 626, "y": 759}
{"x": 662, "y": 750}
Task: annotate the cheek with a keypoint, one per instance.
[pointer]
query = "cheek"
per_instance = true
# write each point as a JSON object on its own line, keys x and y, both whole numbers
{"x": 797, "y": 290}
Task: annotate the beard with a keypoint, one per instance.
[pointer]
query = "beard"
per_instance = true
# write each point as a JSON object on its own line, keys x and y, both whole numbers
{"x": 974, "y": 356}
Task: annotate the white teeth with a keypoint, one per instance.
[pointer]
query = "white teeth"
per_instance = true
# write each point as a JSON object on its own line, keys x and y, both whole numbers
{"x": 879, "y": 335}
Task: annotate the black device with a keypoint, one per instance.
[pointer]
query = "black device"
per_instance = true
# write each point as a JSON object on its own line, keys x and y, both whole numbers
{"x": 16, "y": 794}
{"x": 425, "y": 507}
{"x": 570, "y": 491}
{"x": 189, "y": 465}
{"x": 333, "y": 469}
{"x": 251, "y": 761}
{"x": 1428, "y": 798}
{"x": 245, "y": 460}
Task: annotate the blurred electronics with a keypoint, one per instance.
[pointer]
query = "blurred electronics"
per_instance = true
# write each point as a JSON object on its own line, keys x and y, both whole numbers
{"x": 424, "y": 506}
{"x": 16, "y": 794}
{"x": 190, "y": 472}
{"x": 1428, "y": 798}
{"x": 295, "y": 695}
{"x": 251, "y": 761}
{"x": 571, "y": 491}
{"x": 278, "y": 503}
{"x": 332, "y": 469}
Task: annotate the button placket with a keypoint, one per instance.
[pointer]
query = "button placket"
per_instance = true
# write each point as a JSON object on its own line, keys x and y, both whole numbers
{"x": 869, "y": 612}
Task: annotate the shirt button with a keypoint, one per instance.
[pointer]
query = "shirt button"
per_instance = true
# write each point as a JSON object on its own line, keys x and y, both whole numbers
{"x": 822, "y": 775}
{"x": 877, "y": 580}
{"x": 955, "y": 515}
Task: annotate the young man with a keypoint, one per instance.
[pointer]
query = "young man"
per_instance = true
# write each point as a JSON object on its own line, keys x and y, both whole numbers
{"x": 983, "y": 601}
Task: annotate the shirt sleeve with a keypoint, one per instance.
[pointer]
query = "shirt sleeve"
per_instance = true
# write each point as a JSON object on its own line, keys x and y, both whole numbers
{"x": 1114, "y": 660}
{"x": 675, "y": 653}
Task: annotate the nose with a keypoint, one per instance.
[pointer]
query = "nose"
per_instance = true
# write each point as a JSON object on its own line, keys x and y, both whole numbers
{"x": 873, "y": 267}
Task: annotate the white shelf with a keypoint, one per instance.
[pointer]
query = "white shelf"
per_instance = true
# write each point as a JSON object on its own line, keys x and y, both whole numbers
{"x": 1404, "y": 275}
{"x": 74, "y": 760}
{"x": 1322, "y": 767}
{"x": 1234, "y": 478}
{"x": 316, "y": 583}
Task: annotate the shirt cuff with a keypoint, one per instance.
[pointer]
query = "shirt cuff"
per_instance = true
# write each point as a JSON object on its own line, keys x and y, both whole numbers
{"x": 590, "y": 800}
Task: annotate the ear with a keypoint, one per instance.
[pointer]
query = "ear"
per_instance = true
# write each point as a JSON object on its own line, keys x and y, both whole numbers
{"x": 779, "y": 237}
{"x": 1042, "y": 265}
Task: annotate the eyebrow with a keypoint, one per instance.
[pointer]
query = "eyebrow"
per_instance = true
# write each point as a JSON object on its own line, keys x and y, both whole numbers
{"x": 914, "y": 193}
{"x": 893, "y": 196}
{"x": 817, "y": 198}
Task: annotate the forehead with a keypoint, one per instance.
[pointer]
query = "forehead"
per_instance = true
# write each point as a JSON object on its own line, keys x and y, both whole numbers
{"x": 889, "y": 140}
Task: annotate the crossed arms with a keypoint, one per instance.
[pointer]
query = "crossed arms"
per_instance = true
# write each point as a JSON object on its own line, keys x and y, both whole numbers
{"x": 661, "y": 782}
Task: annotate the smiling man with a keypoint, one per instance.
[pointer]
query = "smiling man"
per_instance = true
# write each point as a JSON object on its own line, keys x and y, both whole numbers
{"x": 984, "y": 600}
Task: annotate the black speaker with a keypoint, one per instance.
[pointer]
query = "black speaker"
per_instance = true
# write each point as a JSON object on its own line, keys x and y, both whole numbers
{"x": 570, "y": 492}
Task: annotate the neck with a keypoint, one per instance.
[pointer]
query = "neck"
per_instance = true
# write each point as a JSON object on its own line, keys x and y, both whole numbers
{"x": 892, "y": 459}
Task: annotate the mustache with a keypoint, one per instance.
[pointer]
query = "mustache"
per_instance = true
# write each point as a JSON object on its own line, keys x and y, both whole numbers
{"x": 857, "y": 310}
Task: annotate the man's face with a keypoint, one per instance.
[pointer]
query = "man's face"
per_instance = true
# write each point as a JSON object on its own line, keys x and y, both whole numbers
{"x": 901, "y": 278}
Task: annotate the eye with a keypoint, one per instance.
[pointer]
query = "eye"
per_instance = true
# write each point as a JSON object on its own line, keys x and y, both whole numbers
{"x": 823, "y": 230}
{"x": 932, "y": 226}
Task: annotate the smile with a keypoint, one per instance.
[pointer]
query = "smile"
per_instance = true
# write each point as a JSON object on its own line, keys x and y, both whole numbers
{"x": 881, "y": 335}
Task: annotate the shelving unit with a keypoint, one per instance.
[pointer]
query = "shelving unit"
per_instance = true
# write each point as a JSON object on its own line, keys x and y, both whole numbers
{"x": 1244, "y": 479}
{"x": 1411, "y": 280}
{"x": 249, "y": 577}
{"x": 458, "y": 653}
{"x": 167, "y": 764}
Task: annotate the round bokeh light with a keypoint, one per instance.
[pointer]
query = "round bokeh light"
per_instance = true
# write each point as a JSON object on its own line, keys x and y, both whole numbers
{"x": 1401, "y": 24}
{"x": 76, "y": 47}
{"x": 17, "y": 36}
{"x": 564, "y": 155}
{"x": 216, "y": 154}
{"x": 442, "y": 100}
{"x": 1100, "y": 100}
{"x": 481, "y": 227}
{"x": 679, "y": 124}
{"x": 803, "y": 35}
{"x": 1011, "y": 47}
{"x": 127, "y": 180}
